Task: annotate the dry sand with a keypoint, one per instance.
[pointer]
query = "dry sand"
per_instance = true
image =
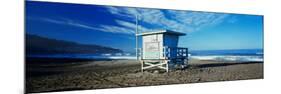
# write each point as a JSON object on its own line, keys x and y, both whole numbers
{"x": 56, "y": 75}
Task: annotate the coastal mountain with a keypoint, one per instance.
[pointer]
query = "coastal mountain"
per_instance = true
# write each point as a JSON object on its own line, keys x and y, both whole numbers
{"x": 41, "y": 45}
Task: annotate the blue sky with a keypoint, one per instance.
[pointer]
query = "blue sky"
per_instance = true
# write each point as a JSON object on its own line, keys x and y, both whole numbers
{"x": 115, "y": 27}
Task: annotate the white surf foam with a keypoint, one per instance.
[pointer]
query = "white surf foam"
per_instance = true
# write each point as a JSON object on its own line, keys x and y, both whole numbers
{"x": 230, "y": 58}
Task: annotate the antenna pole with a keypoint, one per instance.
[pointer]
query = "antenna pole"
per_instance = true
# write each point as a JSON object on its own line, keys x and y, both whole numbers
{"x": 137, "y": 37}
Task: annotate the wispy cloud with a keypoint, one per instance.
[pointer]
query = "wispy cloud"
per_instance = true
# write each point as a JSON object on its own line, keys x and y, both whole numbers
{"x": 100, "y": 27}
{"x": 63, "y": 21}
{"x": 151, "y": 19}
{"x": 197, "y": 20}
{"x": 116, "y": 29}
{"x": 131, "y": 25}
{"x": 182, "y": 21}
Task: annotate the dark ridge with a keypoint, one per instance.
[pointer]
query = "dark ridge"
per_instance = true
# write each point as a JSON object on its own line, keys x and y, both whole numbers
{"x": 40, "y": 45}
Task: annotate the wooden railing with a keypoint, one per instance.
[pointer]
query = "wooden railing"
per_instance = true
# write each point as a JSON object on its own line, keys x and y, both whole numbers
{"x": 169, "y": 53}
{"x": 175, "y": 52}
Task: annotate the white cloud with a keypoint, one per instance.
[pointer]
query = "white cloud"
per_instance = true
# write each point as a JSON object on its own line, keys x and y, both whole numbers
{"x": 198, "y": 20}
{"x": 116, "y": 29}
{"x": 104, "y": 28}
{"x": 51, "y": 20}
{"x": 182, "y": 21}
{"x": 64, "y": 22}
{"x": 131, "y": 26}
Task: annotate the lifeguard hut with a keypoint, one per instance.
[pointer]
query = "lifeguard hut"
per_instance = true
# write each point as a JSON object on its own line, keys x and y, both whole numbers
{"x": 160, "y": 50}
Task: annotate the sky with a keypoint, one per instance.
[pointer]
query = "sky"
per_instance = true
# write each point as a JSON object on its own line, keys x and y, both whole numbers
{"x": 115, "y": 26}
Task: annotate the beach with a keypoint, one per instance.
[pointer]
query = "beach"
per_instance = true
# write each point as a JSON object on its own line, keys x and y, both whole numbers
{"x": 47, "y": 75}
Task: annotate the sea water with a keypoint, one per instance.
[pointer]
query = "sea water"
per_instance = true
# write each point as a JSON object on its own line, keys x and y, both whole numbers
{"x": 86, "y": 56}
{"x": 221, "y": 55}
{"x": 247, "y": 55}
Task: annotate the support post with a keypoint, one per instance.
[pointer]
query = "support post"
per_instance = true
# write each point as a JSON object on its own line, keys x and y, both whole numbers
{"x": 167, "y": 65}
{"x": 142, "y": 65}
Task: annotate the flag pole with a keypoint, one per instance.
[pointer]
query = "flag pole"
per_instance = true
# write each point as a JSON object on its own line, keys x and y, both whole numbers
{"x": 137, "y": 37}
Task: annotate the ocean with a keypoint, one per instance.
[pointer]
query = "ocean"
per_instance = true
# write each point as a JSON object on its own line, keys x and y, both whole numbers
{"x": 220, "y": 55}
{"x": 229, "y": 55}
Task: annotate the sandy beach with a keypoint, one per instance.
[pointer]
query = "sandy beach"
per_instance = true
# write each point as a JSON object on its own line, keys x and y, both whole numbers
{"x": 46, "y": 75}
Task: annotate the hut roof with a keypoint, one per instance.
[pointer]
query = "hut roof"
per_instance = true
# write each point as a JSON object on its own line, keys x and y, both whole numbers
{"x": 162, "y": 32}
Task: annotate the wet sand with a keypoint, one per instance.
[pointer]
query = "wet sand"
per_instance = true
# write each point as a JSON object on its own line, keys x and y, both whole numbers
{"x": 46, "y": 75}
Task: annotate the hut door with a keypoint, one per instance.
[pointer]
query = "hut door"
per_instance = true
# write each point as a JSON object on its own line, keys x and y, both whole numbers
{"x": 152, "y": 50}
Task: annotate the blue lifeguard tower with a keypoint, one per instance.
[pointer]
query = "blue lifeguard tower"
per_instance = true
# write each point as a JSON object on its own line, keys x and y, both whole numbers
{"x": 160, "y": 50}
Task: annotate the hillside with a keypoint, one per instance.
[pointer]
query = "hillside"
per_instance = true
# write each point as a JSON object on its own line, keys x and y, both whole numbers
{"x": 41, "y": 45}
